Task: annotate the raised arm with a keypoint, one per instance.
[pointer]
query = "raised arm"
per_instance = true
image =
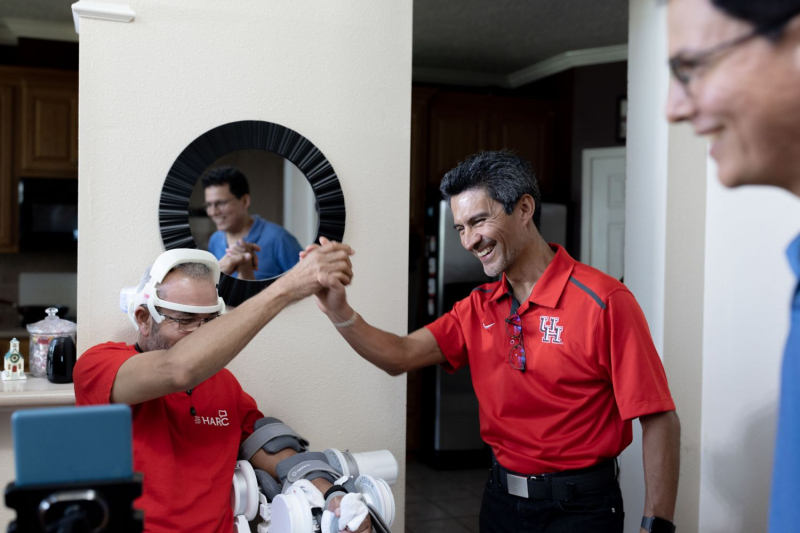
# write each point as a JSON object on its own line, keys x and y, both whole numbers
{"x": 389, "y": 352}
{"x": 201, "y": 354}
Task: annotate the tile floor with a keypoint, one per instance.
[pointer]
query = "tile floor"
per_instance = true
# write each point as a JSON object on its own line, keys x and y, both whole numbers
{"x": 443, "y": 501}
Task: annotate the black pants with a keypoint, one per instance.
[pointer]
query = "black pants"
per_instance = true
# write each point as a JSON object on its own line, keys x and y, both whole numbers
{"x": 596, "y": 511}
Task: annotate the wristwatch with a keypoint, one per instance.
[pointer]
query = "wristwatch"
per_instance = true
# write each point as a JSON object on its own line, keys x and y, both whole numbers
{"x": 654, "y": 524}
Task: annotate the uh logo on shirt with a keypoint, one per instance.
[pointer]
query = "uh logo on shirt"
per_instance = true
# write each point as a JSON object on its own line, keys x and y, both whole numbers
{"x": 221, "y": 420}
{"x": 550, "y": 329}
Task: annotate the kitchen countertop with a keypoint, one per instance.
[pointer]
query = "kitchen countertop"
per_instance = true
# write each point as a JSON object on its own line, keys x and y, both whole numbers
{"x": 35, "y": 392}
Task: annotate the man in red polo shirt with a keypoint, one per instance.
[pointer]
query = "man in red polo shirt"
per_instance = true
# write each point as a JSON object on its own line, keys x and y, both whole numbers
{"x": 561, "y": 361}
{"x": 190, "y": 414}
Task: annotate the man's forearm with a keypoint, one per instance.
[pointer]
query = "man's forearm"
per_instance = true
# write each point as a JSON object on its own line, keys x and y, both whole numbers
{"x": 381, "y": 348}
{"x": 661, "y": 436}
{"x": 206, "y": 351}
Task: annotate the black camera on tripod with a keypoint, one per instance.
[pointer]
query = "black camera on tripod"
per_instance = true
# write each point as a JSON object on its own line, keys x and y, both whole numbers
{"x": 74, "y": 471}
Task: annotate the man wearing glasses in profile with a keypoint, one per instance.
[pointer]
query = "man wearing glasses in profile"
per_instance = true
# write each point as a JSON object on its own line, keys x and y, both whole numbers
{"x": 561, "y": 361}
{"x": 736, "y": 78}
{"x": 190, "y": 414}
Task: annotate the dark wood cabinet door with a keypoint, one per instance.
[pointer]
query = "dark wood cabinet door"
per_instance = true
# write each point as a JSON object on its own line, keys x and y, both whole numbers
{"x": 456, "y": 133}
{"x": 420, "y": 99}
{"x": 530, "y": 134}
{"x": 49, "y": 130}
{"x": 8, "y": 189}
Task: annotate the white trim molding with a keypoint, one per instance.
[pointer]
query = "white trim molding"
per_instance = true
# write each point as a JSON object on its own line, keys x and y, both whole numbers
{"x": 566, "y": 61}
{"x": 95, "y": 10}
{"x": 548, "y": 67}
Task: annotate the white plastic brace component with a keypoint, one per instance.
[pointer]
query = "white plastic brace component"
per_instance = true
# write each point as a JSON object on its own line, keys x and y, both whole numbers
{"x": 244, "y": 493}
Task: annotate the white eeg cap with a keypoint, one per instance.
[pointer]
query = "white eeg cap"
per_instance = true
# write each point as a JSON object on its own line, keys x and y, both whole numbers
{"x": 130, "y": 299}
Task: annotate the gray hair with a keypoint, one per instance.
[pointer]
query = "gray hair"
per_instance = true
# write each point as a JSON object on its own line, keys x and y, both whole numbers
{"x": 505, "y": 176}
{"x": 189, "y": 270}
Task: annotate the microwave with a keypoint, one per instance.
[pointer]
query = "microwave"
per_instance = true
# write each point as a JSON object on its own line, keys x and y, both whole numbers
{"x": 48, "y": 214}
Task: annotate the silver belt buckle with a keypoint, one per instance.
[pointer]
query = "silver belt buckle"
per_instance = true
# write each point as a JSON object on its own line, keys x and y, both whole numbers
{"x": 517, "y": 486}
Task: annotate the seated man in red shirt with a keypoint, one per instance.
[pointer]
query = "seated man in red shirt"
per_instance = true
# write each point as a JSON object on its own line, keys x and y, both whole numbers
{"x": 190, "y": 415}
{"x": 561, "y": 361}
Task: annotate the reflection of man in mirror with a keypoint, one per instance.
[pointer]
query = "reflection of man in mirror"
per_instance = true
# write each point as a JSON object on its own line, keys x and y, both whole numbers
{"x": 247, "y": 246}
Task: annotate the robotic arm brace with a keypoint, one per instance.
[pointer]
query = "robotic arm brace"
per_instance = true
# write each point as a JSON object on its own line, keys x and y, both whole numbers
{"x": 296, "y": 506}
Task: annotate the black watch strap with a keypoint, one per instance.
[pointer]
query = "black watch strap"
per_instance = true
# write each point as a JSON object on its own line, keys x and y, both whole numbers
{"x": 654, "y": 524}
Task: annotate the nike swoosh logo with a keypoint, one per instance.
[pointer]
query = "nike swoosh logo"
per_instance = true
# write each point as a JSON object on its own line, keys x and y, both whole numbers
{"x": 487, "y": 327}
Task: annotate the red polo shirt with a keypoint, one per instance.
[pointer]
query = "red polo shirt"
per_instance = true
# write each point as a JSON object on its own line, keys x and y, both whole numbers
{"x": 591, "y": 367}
{"x": 187, "y": 461}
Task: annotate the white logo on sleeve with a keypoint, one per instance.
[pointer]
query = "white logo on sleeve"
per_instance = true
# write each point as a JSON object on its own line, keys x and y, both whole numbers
{"x": 552, "y": 331}
{"x": 221, "y": 420}
{"x": 487, "y": 327}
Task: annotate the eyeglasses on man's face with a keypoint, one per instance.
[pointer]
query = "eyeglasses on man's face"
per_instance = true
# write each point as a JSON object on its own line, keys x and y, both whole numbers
{"x": 189, "y": 323}
{"x": 217, "y": 204}
{"x": 516, "y": 354}
{"x": 687, "y": 67}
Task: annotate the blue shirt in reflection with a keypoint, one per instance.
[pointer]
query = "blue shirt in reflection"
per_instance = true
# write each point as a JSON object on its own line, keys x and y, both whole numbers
{"x": 280, "y": 251}
{"x": 784, "y": 514}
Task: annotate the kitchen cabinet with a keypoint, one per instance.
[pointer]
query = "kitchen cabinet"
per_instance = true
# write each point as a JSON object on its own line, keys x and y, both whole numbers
{"x": 8, "y": 183}
{"x": 38, "y": 136}
{"x": 49, "y": 134}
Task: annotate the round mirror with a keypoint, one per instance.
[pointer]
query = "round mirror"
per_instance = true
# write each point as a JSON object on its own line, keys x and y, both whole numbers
{"x": 291, "y": 198}
{"x": 255, "y": 211}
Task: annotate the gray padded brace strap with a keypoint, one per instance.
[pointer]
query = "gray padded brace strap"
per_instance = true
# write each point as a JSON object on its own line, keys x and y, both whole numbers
{"x": 263, "y": 435}
{"x": 332, "y": 496}
{"x": 350, "y": 485}
{"x": 268, "y": 485}
{"x": 307, "y": 465}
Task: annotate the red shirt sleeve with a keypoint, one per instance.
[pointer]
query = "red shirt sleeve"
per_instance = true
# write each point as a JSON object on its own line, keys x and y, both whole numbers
{"x": 248, "y": 414}
{"x": 96, "y": 370}
{"x": 626, "y": 351}
{"x": 449, "y": 335}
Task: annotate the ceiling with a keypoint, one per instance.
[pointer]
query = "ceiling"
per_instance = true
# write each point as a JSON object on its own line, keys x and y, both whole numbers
{"x": 51, "y": 10}
{"x": 503, "y": 36}
{"x": 495, "y": 37}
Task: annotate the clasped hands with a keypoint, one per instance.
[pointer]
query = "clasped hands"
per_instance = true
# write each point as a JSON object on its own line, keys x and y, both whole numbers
{"x": 241, "y": 257}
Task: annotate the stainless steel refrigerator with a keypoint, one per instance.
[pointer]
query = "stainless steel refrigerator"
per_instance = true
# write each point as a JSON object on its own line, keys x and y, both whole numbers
{"x": 451, "y": 428}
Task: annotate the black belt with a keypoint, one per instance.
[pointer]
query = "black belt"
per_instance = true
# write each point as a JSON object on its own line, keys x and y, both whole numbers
{"x": 557, "y": 486}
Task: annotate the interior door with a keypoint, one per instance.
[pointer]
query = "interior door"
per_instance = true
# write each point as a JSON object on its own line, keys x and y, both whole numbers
{"x": 603, "y": 210}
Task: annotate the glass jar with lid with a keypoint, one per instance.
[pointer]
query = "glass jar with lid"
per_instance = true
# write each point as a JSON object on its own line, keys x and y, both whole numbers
{"x": 42, "y": 333}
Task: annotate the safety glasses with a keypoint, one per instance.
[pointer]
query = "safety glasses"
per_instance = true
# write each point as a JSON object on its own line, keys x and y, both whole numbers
{"x": 516, "y": 355}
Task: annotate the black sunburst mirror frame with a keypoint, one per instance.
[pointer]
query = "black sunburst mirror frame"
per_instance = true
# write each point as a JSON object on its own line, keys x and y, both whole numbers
{"x": 173, "y": 207}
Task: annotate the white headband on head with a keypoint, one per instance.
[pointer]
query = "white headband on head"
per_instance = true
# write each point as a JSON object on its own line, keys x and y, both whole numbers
{"x": 130, "y": 299}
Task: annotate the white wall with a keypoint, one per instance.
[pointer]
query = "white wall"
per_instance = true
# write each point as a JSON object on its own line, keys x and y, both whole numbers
{"x": 645, "y": 207}
{"x": 748, "y": 285}
{"x": 302, "y": 223}
{"x": 338, "y": 73}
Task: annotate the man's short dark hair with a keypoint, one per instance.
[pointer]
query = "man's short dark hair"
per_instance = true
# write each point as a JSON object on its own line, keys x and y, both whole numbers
{"x": 768, "y": 16}
{"x": 503, "y": 175}
{"x": 230, "y": 175}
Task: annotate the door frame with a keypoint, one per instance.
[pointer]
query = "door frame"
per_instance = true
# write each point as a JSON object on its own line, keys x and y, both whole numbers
{"x": 589, "y": 156}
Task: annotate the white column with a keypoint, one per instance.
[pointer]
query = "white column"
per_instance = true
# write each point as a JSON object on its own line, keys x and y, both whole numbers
{"x": 645, "y": 204}
{"x": 338, "y": 73}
